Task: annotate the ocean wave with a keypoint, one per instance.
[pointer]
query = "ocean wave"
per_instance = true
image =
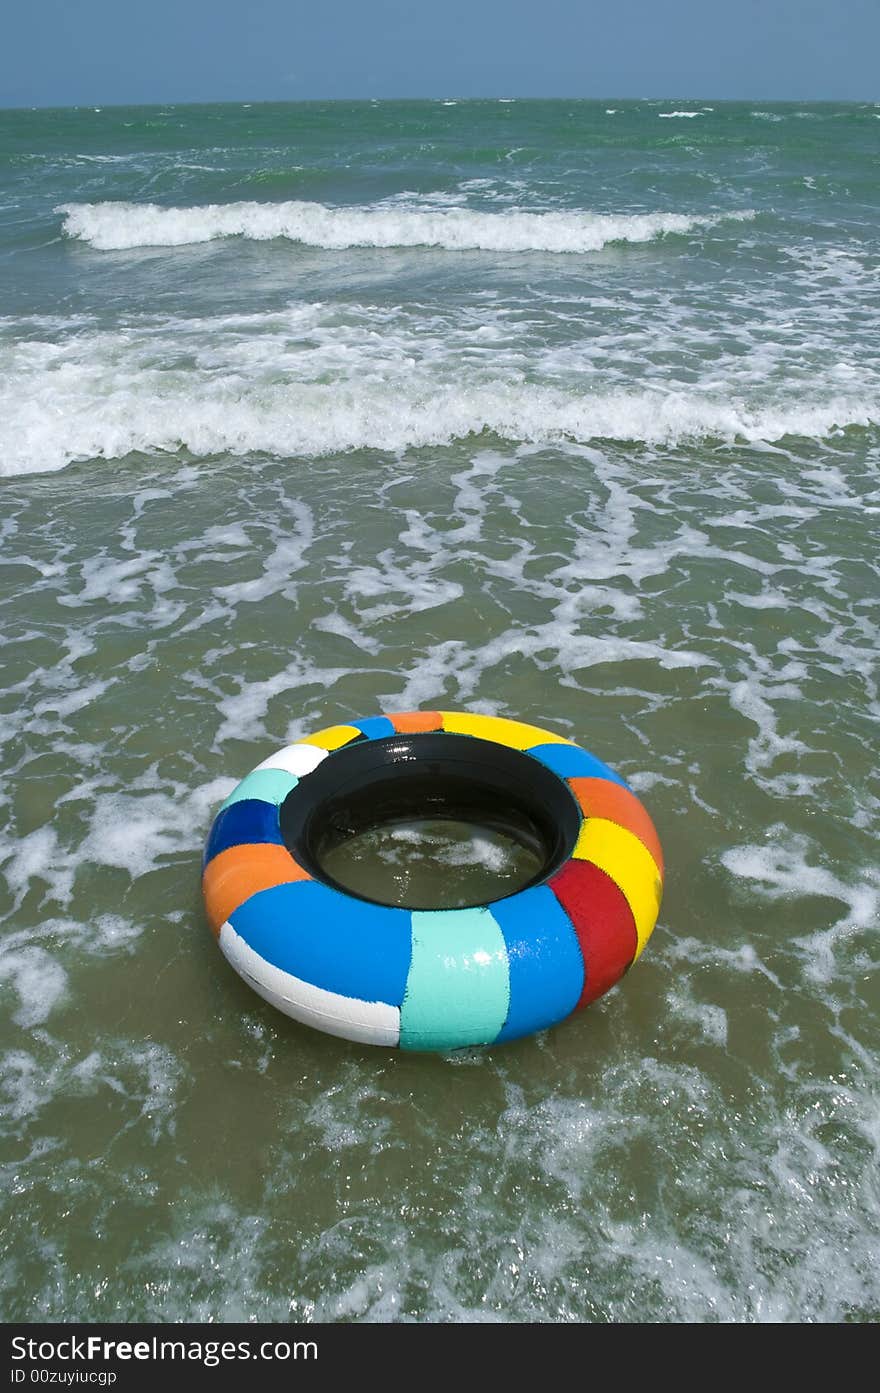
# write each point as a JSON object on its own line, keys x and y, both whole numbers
{"x": 124, "y": 226}
{"x": 207, "y": 417}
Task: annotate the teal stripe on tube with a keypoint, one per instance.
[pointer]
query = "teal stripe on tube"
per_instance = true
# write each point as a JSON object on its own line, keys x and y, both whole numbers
{"x": 268, "y": 785}
{"x": 458, "y": 988}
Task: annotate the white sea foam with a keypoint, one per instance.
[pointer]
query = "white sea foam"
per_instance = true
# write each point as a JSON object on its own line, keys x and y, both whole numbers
{"x": 146, "y": 1075}
{"x": 109, "y": 414}
{"x": 123, "y": 226}
{"x": 287, "y": 558}
{"x": 39, "y": 981}
{"x": 315, "y": 379}
{"x": 709, "y": 1019}
{"x": 244, "y": 712}
{"x": 784, "y": 869}
{"x": 37, "y": 856}
{"x": 346, "y": 1115}
{"x": 667, "y": 115}
{"x": 135, "y": 830}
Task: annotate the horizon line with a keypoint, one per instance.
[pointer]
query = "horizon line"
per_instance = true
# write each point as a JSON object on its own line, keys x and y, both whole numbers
{"x": 96, "y": 105}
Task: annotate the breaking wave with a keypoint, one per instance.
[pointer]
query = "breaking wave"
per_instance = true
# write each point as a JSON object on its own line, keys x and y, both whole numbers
{"x": 124, "y": 226}
{"x": 315, "y": 419}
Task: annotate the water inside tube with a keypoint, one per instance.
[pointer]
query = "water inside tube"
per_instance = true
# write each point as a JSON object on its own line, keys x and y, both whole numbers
{"x": 432, "y": 863}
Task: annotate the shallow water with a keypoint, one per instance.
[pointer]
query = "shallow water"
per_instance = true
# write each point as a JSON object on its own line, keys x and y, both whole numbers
{"x": 432, "y": 862}
{"x": 572, "y": 463}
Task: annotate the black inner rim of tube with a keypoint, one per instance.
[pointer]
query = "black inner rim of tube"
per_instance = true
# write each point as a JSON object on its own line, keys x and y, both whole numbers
{"x": 403, "y": 778}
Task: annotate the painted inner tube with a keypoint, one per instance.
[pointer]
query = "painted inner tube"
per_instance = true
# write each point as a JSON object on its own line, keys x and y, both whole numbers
{"x": 429, "y": 979}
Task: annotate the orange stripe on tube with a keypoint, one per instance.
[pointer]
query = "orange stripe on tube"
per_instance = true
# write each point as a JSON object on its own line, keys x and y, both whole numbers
{"x": 242, "y": 871}
{"x": 413, "y": 722}
{"x": 602, "y": 798}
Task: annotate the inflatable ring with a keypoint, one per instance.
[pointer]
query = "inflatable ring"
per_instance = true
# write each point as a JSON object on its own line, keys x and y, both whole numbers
{"x": 432, "y": 979}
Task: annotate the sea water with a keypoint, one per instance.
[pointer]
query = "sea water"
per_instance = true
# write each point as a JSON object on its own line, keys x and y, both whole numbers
{"x": 567, "y": 411}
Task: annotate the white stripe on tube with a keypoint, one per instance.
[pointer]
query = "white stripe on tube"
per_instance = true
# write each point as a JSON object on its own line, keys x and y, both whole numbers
{"x": 297, "y": 760}
{"x": 370, "y": 1022}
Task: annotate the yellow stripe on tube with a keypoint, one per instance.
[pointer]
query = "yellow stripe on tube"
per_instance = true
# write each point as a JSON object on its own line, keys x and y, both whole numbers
{"x": 332, "y": 737}
{"x": 629, "y": 864}
{"x": 514, "y": 734}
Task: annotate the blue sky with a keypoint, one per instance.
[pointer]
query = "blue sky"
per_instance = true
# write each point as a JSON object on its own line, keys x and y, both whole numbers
{"x": 65, "y": 52}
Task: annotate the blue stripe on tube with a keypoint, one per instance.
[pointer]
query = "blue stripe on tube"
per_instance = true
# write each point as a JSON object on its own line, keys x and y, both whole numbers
{"x": 375, "y": 727}
{"x": 243, "y": 823}
{"x": 344, "y": 945}
{"x": 569, "y": 762}
{"x": 546, "y": 964}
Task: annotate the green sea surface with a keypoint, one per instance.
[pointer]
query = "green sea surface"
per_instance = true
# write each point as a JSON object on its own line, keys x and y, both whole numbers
{"x": 565, "y": 411}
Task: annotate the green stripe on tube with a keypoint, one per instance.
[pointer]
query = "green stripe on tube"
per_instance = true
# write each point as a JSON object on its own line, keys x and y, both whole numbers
{"x": 269, "y": 785}
{"x": 458, "y": 988}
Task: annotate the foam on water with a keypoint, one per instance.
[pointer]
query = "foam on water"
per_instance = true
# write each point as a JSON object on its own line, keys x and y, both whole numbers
{"x": 38, "y": 979}
{"x": 122, "y": 226}
{"x": 315, "y": 377}
{"x": 146, "y": 1076}
{"x": 112, "y": 410}
{"x": 502, "y": 1255}
{"x": 784, "y": 868}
